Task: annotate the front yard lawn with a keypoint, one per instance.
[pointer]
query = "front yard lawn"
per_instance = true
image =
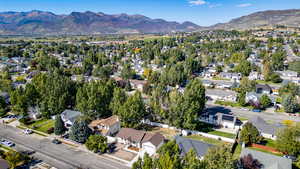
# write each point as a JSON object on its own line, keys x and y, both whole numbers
{"x": 269, "y": 143}
{"x": 206, "y": 140}
{"x": 222, "y": 134}
{"x": 42, "y": 125}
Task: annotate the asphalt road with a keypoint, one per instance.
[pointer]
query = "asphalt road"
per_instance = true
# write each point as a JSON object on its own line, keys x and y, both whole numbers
{"x": 272, "y": 117}
{"x": 60, "y": 156}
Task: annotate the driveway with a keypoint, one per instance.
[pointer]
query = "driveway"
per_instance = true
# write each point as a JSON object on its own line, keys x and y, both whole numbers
{"x": 60, "y": 156}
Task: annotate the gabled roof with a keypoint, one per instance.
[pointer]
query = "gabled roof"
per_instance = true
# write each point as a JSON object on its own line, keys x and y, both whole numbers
{"x": 70, "y": 115}
{"x": 131, "y": 135}
{"x": 139, "y": 136}
{"x": 187, "y": 145}
{"x": 264, "y": 127}
{"x": 268, "y": 161}
{"x": 154, "y": 138}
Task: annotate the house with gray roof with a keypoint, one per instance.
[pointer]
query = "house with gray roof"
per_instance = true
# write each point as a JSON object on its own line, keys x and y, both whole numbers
{"x": 186, "y": 145}
{"x": 267, "y": 160}
{"x": 69, "y": 117}
{"x": 266, "y": 130}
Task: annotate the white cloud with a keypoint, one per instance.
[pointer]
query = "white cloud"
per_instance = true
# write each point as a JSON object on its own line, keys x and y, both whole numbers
{"x": 244, "y": 5}
{"x": 197, "y": 2}
{"x": 214, "y": 5}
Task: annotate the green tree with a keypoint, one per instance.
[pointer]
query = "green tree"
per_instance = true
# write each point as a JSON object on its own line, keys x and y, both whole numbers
{"x": 97, "y": 143}
{"x": 265, "y": 101}
{"x": 80, "y": 131}
{"x": 14, "y": 159}
{"x": 59, "y": 126}
{"x": 250, "y": 134}
{"x": 219, "y": 157}
{"x": 191, "y": 161}
{"x": 193, "y": 103}
{"x": 132, "y": 111}
{"x": 244, "y": 67}
{"x": 290, "y": 104}
{"x": 119, "y": 98}
{"x": 288, "y": 140}
{"x": 241, "y": 99}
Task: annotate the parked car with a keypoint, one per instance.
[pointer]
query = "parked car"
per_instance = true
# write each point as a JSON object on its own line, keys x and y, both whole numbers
{"x": 256, "y": 110}
{"x": 27, "y": 131}
{"x": 7, "y": 143}
{"x": 55, "y": 141}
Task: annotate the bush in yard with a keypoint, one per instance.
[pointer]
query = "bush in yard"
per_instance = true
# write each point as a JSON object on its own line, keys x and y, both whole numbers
{"x": 50, "y": 130}
{"x": 265, "y": 101}
{"x": 25, "y": 120}
{"x": 97, "y": 143}
{"x": 59, "y": 126}
{"x": 250, "y": 134}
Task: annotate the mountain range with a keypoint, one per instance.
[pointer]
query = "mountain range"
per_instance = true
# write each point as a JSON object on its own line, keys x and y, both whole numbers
{"x": 82, "y": 23}
{"x": 290, "y": 18}
{"x": 40, "y": 22}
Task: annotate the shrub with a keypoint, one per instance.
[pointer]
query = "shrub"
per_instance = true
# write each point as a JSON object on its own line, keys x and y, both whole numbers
{"x": 50, "y": 130}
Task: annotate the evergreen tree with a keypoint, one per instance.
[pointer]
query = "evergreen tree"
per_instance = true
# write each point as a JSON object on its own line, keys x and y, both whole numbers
{"x": 59, "y": 126}
{"x": 80, "y": 131}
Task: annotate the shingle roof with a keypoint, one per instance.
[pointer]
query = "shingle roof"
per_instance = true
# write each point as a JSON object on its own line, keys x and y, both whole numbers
{"x": 264, "y": 127}
{"x": 71, "y": 115}
{"x": 139, "y": 136}
{"x": 186, "y": 145}
{"x": 268, "y": 161}
{"x": 154, "y": 138}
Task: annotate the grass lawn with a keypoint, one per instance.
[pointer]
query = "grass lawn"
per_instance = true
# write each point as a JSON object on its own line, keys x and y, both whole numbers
{"x": 264, "y": 82}
{"x": 42, "y": 125}
{"x": 223, "y": 134}
{"x": 237, "y": 151}
{"x": 206, "y": 140}
{"x": 270, "y": 143}
{"x": 243, "y": 118}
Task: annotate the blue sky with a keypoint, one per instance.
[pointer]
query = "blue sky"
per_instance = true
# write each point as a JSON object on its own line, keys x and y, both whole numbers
{"x": 202, "y": 12}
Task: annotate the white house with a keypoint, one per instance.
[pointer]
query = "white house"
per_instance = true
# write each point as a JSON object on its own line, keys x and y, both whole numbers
{"x": 228, "y": 121}
{"x": 224, "y": 95}
{"x": 69, "y": 117}
{"x": 149, "y": 142}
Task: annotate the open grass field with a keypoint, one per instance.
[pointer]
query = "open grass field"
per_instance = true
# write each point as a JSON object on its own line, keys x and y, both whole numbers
{"x": 222, "y": 134}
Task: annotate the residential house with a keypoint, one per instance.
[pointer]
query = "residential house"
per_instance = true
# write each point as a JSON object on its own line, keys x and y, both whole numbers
{"x": 266, "y": 130}
{"x": 268, "y": 161}
{"x": 231, "y": 76}
{"x": 287, "y": 74}
{"x": 252, "y": 97}
{"x": 69, "y": 117}
{"x": 34, "y": 112}
{"x": 106, "y": 127}
{"x": 149, "y": 142}
{"x": 223, "y": 85}
{"x": 224, "y": 95}
{"x": 186, "y": 145}
{"x": 207, "y": 83}
{"x": 263, "y": 89}
{"x": 138, "y": 84}
{"x": 228, "y": 121}
{"x": 255, "y": 76}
